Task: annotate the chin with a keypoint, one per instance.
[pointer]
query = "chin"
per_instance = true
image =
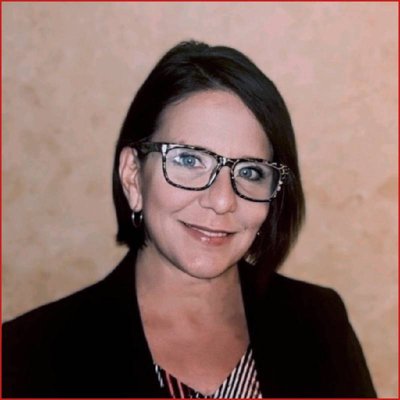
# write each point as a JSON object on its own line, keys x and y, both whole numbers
{"x": 205, "y": 268}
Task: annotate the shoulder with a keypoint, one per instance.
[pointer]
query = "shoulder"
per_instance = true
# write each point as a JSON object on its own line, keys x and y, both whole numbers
{"x": 307, "y": 302}
{"x": 32, "y": 339}
{"x": 54, "y": 314}
{"x": 49, "y": 326}
{"x": 43, "y": 345}
{"x": 55, "y": 349}
{"x": 76, "y": 316}
{"x": 277, "y": 291}
{"x": 323, "y": 319}
{"x": 81, "y": 307}
{"x": 305, "y": 293}
{"x": 314, "y": 312}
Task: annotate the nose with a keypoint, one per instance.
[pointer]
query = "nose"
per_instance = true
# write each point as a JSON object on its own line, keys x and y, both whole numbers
{"x": 220, "y": 195}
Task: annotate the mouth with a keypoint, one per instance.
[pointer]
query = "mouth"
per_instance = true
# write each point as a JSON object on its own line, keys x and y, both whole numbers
{"x": 206, "y": 232}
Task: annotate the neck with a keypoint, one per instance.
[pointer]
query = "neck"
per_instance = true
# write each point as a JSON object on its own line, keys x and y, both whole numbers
{"x": 167, "y": 291}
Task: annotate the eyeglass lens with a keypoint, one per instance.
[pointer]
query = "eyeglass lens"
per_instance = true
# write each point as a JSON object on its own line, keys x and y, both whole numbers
{"x": 193, "y": 169}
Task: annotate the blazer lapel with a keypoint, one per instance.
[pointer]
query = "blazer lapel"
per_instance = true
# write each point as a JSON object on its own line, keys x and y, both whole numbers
{"x": 283, "y": 340}
{"x": 135, "y": 368}
{"x": 270, "y": 334}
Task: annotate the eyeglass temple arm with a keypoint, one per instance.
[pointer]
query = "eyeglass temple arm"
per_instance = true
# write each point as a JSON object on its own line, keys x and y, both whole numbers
{"x": 145, "y": 148}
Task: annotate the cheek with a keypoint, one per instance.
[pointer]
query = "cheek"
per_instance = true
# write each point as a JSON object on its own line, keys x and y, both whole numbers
{"x": 160, "y": 199}
{"x": 254, "y": 215}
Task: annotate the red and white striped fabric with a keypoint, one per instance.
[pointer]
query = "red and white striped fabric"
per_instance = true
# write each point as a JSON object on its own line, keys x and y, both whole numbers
{"x": 242, "y": 383}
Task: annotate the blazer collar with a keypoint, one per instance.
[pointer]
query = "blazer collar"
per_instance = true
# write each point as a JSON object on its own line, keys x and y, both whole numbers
{"x": 141, "y": 380}
{"x": 263, "y": 310}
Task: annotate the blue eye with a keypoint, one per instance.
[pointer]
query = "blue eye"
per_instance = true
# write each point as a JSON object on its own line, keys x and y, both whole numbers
{"x": 251, "y": 174}
{"x": 188, "y": 160}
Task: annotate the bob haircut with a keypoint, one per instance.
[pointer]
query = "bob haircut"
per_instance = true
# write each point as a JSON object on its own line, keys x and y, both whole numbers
{"x": 192, "y": 67}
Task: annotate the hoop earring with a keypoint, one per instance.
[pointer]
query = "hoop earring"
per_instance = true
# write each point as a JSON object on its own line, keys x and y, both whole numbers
{"x": 137, "y": 219}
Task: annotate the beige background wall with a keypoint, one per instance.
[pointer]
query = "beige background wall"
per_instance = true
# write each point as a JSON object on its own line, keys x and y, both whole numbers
{"x": 69, "y": 73}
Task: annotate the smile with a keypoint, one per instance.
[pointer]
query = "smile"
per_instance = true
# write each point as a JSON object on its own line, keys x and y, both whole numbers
{"x": 207, "y": 235}
{"x": 208, "y": 231}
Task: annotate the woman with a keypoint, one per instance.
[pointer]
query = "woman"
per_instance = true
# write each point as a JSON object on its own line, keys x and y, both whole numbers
{"x": 209, "y": 200}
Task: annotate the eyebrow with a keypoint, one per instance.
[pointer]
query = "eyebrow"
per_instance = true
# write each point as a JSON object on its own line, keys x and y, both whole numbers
{"x": 213, "y": 151}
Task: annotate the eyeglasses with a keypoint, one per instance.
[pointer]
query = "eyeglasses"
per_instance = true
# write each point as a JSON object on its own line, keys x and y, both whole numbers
{"x": 195, "y": 168}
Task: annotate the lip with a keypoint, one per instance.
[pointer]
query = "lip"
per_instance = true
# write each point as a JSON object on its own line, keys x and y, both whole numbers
{"x": 208, "y": 236}
{"x": 206, "y": 229}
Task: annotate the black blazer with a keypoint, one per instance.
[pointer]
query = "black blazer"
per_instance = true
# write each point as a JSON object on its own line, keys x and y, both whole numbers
{"x": 92, "y": 343}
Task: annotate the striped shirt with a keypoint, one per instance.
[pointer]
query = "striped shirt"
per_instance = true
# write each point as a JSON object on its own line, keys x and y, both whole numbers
{"x": 242, "y": 382}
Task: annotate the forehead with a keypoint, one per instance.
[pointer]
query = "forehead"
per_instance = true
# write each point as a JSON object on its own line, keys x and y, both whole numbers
{"x": 216, "y": 120}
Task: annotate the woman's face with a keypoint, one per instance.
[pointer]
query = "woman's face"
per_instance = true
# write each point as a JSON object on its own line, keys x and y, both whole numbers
{"x": 206, "y": 232}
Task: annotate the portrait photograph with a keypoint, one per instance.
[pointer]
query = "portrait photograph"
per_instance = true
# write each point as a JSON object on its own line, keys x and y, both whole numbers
{"x": 199, "y": 199}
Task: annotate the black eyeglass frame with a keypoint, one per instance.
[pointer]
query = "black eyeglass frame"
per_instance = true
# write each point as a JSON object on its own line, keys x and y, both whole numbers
{"x": 145, "y": 148}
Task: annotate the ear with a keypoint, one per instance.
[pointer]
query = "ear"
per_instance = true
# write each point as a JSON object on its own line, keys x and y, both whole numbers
{"x": 129, "y": 173}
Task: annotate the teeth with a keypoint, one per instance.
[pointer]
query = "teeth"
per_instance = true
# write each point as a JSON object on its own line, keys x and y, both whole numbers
{"x": 210, "y": 234}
